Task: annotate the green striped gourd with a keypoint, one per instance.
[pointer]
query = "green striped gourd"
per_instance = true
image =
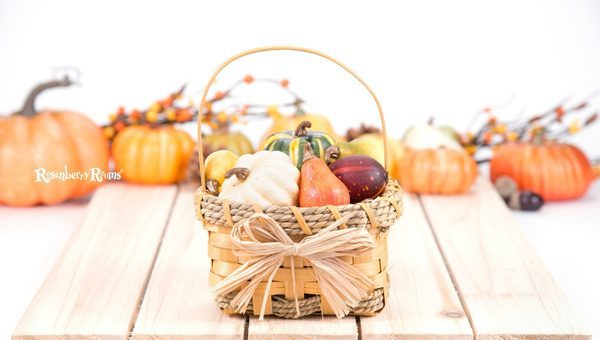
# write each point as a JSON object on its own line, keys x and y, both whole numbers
{"x": 292, "y": 143}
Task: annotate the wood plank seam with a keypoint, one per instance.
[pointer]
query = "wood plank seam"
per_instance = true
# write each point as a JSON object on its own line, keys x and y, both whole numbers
{"x": 449, "y": 270}
{"x": 140, "y": 300}
{"x": 358, "y": 328}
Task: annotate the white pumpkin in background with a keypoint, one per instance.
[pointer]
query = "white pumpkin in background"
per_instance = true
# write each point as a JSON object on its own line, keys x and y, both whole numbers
{"x": 421, "y": 137}
{"x": 266, "y": 178}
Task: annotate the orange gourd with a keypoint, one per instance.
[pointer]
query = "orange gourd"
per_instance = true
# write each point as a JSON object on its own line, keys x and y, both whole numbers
{"x": 437, "y": 171}
{"x": 48, "y": 141}
{"x": 555, "y": 171}
{"x": 152, "y": 155}
{"x": 318, "y": 185}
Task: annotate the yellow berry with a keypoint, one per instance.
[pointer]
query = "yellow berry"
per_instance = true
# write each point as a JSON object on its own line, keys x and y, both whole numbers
{"x": 171, "y": 114}
{"x": 272, "y": 110}
{"x": 109, "y": 132}
{"x": 152, "y": 116}
{"x": 222, "y": 117}
{"x": 471, "y": 149}
{"x": 156, "y": 107}
{"x": 499, "y": 128}
{"x": 574, "y": 127}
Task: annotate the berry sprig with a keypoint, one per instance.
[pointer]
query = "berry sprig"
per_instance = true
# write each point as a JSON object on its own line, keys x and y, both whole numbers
{"x": 170, "y": 110}
{"x": 552, "y": 124}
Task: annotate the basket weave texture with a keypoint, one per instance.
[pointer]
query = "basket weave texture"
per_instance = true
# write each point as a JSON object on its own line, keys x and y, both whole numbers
{"x": 377, "y": 215}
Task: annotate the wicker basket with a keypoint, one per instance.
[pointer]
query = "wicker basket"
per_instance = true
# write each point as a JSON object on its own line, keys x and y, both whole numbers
{"x": 377, "y": 215}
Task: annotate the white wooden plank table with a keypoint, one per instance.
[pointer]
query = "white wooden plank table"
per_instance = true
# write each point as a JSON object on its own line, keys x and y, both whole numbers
{"x": 156, "y": 311}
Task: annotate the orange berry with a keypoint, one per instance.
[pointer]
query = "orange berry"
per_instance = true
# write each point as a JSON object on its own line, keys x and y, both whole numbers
{"x": 219, "y": 95}
{"x": 171, "y": 114}
{"x": 248, "y": 79}
{"x": 119, "y": 126}
{"x": 184, "y": 115}
{"x": 135, "y": 115}
{"x": 284, "y": 82}
{"x": 487, "y": 137}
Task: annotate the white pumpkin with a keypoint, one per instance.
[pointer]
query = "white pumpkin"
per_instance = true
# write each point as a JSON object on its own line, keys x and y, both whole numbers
{"x": 270, "y": 179}
{"x": 429, "y": 137}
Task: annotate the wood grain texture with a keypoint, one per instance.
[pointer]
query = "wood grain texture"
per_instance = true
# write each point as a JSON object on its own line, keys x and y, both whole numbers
{"x": 312, "y": 327}
{"x": 177, "y": 303}
{"x": 93, "y": 291}
{"x": 423, "y": 303}
{"x": 506, "y": 289}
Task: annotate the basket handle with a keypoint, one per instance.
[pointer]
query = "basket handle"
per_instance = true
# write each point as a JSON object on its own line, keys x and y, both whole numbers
{"x": 280, "y": 48}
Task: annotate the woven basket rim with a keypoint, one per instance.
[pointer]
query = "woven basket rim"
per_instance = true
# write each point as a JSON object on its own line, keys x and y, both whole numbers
{"x": 380, "y": 212}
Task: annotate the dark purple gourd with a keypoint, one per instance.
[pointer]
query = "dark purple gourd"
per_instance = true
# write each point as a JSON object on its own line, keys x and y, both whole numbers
{"x": 363, "y": 176}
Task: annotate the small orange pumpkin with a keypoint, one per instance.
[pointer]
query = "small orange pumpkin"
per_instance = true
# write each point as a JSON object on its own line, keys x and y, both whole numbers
{"x": 152, "y": 155}
{"x": 48, "y": 142}
{"x": 437, "y": 171}
{"x": 556, "y": 171}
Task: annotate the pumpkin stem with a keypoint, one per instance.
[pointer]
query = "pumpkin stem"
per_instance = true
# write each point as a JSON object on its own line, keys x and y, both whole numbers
{"x": 538, "y": 137}
{"x": 308, "y": 153}
{"x": 241, "y": 173}
{"x": 430, "y": 121}
{"x": 301, "y": 130}
{"x": 212, "y": 186}
{"x": 332, "y": 153}
{"x": 29, "y": 106}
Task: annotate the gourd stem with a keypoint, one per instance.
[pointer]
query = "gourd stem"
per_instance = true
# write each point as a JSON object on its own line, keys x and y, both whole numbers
{"x": 241, "y": 173}
{"x": 301, "y": 129}
{"x": 332, "y": 153}
{"x": 29, "y": 106}
{"x": 308, "y": 152}
{"x": 213, "y": 186}
{"x": 596, "y": 171}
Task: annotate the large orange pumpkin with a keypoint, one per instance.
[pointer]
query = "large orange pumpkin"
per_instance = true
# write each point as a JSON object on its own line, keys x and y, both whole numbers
{"x": 437, "y": 171}
{"x": 556, "y": 171}
{"x": 152, "y": 155}
{"x": 35, "y": 144}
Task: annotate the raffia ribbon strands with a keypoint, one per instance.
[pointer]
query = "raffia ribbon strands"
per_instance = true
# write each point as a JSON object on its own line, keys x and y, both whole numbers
{"x": 266, "y": 244}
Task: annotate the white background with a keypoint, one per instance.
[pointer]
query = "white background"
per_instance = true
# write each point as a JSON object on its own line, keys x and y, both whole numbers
{"x": 442, "y": 59}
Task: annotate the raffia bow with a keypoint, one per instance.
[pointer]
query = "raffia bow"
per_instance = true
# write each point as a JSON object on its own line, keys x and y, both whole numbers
{"x": 266, "y": 244}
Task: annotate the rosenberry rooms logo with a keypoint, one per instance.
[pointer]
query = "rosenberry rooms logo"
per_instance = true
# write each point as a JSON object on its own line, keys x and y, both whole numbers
{"x": 93, "y": 175}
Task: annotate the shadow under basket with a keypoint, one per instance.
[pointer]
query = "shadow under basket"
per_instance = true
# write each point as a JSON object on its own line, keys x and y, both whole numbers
{"x": 377, "y": 215}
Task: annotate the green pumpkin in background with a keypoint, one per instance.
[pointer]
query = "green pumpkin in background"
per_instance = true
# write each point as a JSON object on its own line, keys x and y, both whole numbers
{"x": 292, "y": 143}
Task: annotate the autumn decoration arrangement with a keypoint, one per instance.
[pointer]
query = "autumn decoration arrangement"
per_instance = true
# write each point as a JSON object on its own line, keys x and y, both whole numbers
{"x": 148, "y": 147}
{"x": 305, "y": 218}
{"x": 44, "y": 154}
{"x": 529, "y": 150}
